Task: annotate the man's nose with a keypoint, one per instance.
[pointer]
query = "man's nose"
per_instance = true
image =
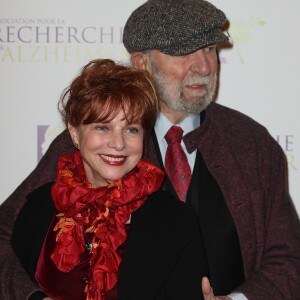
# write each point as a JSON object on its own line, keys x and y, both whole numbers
{"x": 200, "y": 63}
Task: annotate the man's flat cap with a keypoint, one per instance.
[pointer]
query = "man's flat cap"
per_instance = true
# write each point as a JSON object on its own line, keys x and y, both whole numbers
{"x": 174, "y": 27}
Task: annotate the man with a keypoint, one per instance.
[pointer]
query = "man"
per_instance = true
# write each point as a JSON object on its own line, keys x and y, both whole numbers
{"x": 237, "y": 183}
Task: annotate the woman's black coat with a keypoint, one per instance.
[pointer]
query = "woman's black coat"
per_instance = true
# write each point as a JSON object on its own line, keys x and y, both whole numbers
{"x": 162, "y": 258}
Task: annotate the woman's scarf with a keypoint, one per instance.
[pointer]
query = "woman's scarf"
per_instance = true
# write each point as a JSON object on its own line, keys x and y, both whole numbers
{"x": 100, "y": 213}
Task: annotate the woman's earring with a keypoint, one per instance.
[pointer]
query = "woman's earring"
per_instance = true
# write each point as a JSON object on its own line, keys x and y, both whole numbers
{"x": 76, "y": 146}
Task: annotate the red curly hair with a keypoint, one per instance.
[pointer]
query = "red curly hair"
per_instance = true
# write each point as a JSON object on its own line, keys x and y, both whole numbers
{"x": 103, "y": 88}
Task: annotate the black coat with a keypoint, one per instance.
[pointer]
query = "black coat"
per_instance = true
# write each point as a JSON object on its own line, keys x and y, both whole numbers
{"x": 161, "y": 259}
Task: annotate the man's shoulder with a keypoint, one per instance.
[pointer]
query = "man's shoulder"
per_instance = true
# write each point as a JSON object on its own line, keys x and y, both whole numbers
{"x": 230, "y": 116}
{"x": 233, "y": 122}
{"x": 227, "y": 126}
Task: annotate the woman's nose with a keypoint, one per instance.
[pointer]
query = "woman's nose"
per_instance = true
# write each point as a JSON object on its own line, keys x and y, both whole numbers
{"x": 117, "y": 141}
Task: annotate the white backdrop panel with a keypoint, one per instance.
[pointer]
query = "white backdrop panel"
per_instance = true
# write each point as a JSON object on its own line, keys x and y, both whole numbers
{"x": 43, "y": 45}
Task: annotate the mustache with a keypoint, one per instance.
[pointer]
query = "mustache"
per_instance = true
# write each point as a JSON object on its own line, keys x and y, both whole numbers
{"x": 196, "y": 80}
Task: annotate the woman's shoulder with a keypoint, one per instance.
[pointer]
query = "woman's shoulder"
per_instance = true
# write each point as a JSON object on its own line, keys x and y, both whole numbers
{"x": 163, "y": 207}
{"x": 31, "y": 227}
{"x": 38, "y": 208}
{"x": 36, "y": 214}
{"x": 39, "y": 199}
{"x": 164, "y": 200}
{"x": 42, "y": 190}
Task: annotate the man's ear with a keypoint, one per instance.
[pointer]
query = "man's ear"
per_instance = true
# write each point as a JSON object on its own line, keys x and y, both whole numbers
{"x": 140, "y": 60}
{"x": 74, "y": 135}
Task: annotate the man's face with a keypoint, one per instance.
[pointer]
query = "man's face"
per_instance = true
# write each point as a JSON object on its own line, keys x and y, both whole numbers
{"x": 186, "y": 84}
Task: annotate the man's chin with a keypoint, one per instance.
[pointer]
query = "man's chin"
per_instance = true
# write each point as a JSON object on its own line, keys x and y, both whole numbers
{"x": 195, "y": 106}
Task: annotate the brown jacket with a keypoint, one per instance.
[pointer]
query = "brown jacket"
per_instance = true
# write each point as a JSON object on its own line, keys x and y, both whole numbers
{"x": 250, "y": 168}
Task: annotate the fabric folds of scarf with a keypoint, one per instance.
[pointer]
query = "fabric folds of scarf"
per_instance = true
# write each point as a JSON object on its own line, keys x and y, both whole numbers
{"x": 99, "y": 212}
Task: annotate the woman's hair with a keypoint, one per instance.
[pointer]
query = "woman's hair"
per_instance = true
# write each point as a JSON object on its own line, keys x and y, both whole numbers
{"x": 103, "y": 88}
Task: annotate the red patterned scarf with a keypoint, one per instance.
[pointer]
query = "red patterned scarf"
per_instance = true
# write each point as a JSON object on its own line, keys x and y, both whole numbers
{"x": 100, "y": 212}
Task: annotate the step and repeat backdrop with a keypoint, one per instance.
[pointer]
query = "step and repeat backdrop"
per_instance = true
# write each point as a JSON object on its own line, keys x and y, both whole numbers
{"x": 43, "y": 45}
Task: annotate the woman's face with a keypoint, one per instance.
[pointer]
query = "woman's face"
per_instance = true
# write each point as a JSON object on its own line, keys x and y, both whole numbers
{"x": 109, "y": 150}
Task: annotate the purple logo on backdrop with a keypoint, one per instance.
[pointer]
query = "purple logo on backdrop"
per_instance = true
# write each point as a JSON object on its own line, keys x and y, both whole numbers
{"x": 41, "y": 130}
{"x": 45, "y": 135}
{"x": 286, "y": 141}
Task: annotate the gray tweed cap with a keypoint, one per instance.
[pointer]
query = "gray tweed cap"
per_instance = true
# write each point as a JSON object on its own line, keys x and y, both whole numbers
{"x": 174, "y": 27}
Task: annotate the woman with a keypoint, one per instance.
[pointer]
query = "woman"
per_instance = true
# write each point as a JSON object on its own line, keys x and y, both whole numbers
{"x": 102, "y": 230}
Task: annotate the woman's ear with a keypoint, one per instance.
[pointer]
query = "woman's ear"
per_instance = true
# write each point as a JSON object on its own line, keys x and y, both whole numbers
{"x": 74, "y": 135}
{"x": 140, "y": 60}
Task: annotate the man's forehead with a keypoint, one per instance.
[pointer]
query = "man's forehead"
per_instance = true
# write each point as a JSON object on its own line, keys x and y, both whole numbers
{"x": 154, "y": 52}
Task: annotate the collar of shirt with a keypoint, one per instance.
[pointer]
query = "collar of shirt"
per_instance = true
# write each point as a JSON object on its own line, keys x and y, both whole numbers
{"x": 162, "y": 126}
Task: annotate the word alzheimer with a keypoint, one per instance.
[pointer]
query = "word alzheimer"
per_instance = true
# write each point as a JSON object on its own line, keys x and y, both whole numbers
{"x": 57, "y": 54}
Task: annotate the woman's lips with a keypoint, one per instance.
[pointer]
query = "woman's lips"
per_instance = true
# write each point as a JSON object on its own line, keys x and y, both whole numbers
{"x": 113, "y": 160}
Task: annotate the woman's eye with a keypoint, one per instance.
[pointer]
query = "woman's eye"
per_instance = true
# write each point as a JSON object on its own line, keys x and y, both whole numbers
{"x": 102, "y": 128}
{"x": 133, "y": 130}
